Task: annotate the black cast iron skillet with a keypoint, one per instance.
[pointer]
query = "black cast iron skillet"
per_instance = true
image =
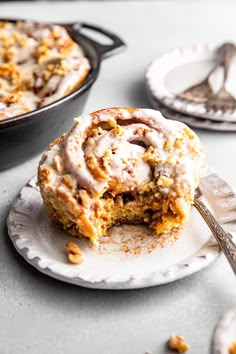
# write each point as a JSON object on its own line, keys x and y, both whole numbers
{"x": 26, "y": 135}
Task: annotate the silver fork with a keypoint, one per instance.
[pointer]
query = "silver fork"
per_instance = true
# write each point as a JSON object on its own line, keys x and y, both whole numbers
{"x": 224, "y": 240}
{"x": 223, "y": 100}
{"x": 200, "y": 92}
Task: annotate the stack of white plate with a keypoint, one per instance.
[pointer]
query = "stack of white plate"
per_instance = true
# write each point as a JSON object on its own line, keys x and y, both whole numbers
{"x": 175, "y": 71}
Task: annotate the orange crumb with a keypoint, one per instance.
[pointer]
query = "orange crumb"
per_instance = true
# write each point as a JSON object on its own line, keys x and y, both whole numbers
{"x": 75, "y": 255}
{"x": 232, "y": 348}
{"x": 177, "y": 342}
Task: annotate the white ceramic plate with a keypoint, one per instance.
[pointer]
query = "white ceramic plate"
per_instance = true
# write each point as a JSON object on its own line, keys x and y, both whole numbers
{"x": 130, "y": 256}
{"x": 225, "y": 333}
{"x": 192, "y": 121}
{"x": 178, "y": 69}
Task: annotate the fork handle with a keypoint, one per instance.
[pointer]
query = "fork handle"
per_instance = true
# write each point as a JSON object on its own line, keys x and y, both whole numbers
{"x": 224, "y": 239}
{"x": 229, "y": 51}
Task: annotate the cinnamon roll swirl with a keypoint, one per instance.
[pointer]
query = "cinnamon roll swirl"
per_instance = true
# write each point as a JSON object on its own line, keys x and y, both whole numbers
{"x": 121, "y": 165}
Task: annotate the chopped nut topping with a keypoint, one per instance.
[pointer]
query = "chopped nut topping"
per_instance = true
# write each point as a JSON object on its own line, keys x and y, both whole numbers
{"x": 112, "y": 122}
{"x": 118, "y": 130}
{"x": 60, "y": 69}
{"x": 84, "y": 198}
{"x": 168, "y": 146}
{"x": 45, "y": 174}
{"x": 170, "y": 160}
{"x": 57, "y": 163}
{"x": 157, "y": 195}
{"x": 91, "y": 141}
{"x": 75, "y": 255}
{"x": 69, "y": 181}
{"x": 182, "y": 153}
{"x": 12, "y": 98}
{"x": 9, "y": 71}
{"x": 47, "y": 75}
{"x": 165, "y": 182}
{"x": 178, "y": 143}
{"x": 190, "y": 134}
{"x": 23, "y": 41}
{"x": 151, "y": 156}
{"x": 66, "y": 46}
{"x": 178, "y": 343}
{"x": 5, "y": 25}
{"x": 99, "y": 130}
{"x": 55, "y": 33}
{"x": 119, "y": 201}
{"x": 147, "y": 187}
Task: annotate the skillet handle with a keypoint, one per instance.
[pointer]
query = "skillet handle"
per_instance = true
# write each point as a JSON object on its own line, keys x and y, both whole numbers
{"x": 103, "y": 50}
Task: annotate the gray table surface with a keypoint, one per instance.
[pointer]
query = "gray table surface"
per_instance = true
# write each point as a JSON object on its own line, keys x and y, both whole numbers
{"x": 42, "y": 315}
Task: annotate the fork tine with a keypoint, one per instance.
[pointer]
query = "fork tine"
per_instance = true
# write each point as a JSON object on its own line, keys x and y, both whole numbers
{"x": 226, "y": 104}
{"x": 220, "y": 107}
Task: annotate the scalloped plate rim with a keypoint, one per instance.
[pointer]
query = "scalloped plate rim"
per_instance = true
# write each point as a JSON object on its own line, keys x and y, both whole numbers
{"x": 195, "y": 122}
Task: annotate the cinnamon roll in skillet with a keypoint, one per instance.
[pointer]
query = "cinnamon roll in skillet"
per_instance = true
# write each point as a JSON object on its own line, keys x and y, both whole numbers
{"x": 121, "y": 165}
{"x": 39, "y": 64}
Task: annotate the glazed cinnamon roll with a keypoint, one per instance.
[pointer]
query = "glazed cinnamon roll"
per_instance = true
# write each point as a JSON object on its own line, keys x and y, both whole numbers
{"x": 39, "y": 64}
{"x": 121, "y": 165}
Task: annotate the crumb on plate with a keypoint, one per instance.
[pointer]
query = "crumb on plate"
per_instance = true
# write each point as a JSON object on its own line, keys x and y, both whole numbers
{"x": 232, "y": 348}
{"x": 75, "y": 255}
{"x": 177, "y": 342}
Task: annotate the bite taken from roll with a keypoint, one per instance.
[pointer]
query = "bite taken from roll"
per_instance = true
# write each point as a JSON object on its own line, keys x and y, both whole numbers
{"x": 121, "y": 165}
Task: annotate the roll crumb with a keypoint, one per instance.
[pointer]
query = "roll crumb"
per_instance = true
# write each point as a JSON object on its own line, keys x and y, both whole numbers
{"x": 177, "y": 342}
{"x": 232, "y": 348}
{"x": 75, "y": 255}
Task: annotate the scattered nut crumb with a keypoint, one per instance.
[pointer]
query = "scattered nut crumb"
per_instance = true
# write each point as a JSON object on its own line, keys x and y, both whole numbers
{"x": 118, "y": 130}
{"x": 75, "y": 255}
{"x": 112, "y": 122}
{"x": 232, "y": 348}
{"x": 178, "y": 343}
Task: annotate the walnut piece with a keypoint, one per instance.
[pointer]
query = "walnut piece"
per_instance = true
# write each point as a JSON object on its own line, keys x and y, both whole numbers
{"x": 75, "y": 255}
{"x": 232, "y": 348}
{"x": 178, "y": 343}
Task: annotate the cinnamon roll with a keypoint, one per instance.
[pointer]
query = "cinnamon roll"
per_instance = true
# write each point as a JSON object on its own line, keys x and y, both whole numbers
{"x": 39, "y": 64}
{"x": 121, "y": 165}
